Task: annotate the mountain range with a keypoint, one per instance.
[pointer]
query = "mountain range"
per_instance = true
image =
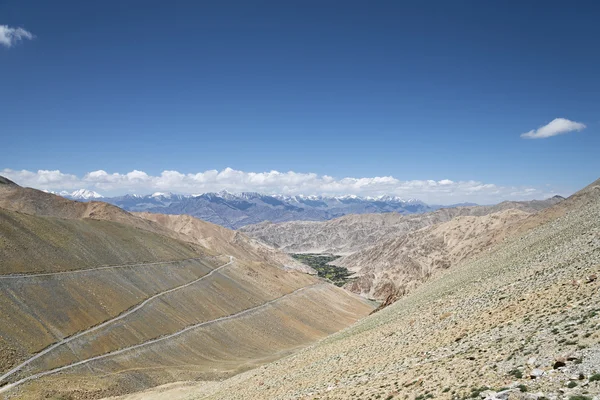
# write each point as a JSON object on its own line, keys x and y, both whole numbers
{"x": 234, "y": 210}
{"x": 350, "y": 233}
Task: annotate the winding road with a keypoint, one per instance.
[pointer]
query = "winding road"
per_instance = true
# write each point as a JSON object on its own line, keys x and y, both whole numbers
{"x": 110, "y": 321}
{"x": 78, "y": 271}
{"x": 159, "y": 339}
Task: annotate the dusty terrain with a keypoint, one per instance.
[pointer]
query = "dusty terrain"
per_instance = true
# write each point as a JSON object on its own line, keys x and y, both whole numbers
{"x": 351, "y": 233}
{"x": 31, "y": 243}
{"x": 518, "y": 322}
{"x": 225, "y": 241}
{"x": 397, "y": 266}
{"x": 97, "y": 304}
{"x": 35, "y": 202}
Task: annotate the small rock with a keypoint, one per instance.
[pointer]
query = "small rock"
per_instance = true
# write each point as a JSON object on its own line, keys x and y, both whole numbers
{"x": 536, "y": 373}
{"x": 591, "y": 278}
{"x": 536, "y": 396}
{"x": 531, "y": 360}
{"x": 560, "y": 362}
{"x": 503, "y": 395}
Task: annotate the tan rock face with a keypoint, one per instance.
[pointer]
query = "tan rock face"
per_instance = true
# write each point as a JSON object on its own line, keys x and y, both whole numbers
{"x": 225, "y": 241}
{"x": 391, "y": 254}
{"x": 398, "y": 265}
{"x": 351, "y": 233}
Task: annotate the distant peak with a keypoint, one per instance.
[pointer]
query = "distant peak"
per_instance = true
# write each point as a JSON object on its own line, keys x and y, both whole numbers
{"x": 86, "y": 194}
{"x": 161, "y": 194}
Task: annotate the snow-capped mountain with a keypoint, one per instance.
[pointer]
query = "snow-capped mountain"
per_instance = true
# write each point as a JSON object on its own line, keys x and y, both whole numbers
{"x": 80, "y": 194}
{"x": 234, "y": 210}
{"x": 84, "y": 194}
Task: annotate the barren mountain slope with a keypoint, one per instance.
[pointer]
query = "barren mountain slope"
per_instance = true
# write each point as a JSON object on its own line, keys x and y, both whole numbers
{"x": 93, "y": 307}
{"x": 396, "y": 266}
{"x": 225, "y": 241}
{"x": 520, "y": 320}
{"x": 348, "y": 234}
{"x": 36, "y": 202}
{"x": 32, "y": 244}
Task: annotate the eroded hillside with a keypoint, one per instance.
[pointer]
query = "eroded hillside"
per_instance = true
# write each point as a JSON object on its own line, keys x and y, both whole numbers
{"x": 351, "y": 233}
{"x": 225, "y": 241}
{"x": 97, "y": 307}
{"x": 396, "y": 266}
{"x": 520, "y": 321}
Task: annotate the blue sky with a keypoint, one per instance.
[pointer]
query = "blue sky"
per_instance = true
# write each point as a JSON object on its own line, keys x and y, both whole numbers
{"x": 417, "y": 91}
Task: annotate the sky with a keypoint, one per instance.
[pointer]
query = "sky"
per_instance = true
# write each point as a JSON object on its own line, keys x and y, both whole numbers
{"x": 443, "y": 101}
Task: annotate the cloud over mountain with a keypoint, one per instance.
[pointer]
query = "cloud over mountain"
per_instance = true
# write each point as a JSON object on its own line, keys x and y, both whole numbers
{"x": 442, "y": 191}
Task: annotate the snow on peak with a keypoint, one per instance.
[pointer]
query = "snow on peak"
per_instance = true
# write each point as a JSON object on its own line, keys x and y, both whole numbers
{"x": 346, "y": 197}
{"x": 167, "y": 195}
{"x": 85, "y": 194}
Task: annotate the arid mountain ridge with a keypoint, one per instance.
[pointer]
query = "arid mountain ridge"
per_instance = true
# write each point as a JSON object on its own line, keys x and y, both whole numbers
{"x": 234, "y": 210}
{"x": 518, "y": 321}
{"x": 392, "y": 254}
{"x": 96, "y": 301}
{"x": 348, "y": 234}
{"x": 398, "y": 265}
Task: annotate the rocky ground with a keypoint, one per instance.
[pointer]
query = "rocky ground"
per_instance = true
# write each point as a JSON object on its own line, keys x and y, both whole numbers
{"x": 225, "y": 241}
{"x": 351, "y": 233}
{"x": 396, "y": 266}
{"x": 95, "y": 302}
{"x": 521, "y": 321}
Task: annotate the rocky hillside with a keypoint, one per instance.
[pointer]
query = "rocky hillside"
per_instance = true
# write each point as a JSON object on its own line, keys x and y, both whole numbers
{"x": 352, "y": 233}
{"x": 225, "y": 241}
{"x": 95, "y": 307}
{"x": 36, "y": 202}
{"x": 518, "y": 322}
{"x": 34, "y": 244}
{"x": 396, "y": 266}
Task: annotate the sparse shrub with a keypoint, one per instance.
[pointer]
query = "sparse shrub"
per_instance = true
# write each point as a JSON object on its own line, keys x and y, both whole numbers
{"x": 571, "y": 385}
{"x": 595, "y": 377}
{"x": 338, "y": 275}
{"x": 424, "y": 396}
{"x": 580, "y": 397}
{"x": 475, "y": 392}
{"x": 522, "y": 388}
{"x": 516, "y": 373}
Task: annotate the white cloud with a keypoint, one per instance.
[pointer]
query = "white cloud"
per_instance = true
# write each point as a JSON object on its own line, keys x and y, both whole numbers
{"x": 10, "y": 36}
{"x": 557, "y": 126}
{"x": 442, "y": 191}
